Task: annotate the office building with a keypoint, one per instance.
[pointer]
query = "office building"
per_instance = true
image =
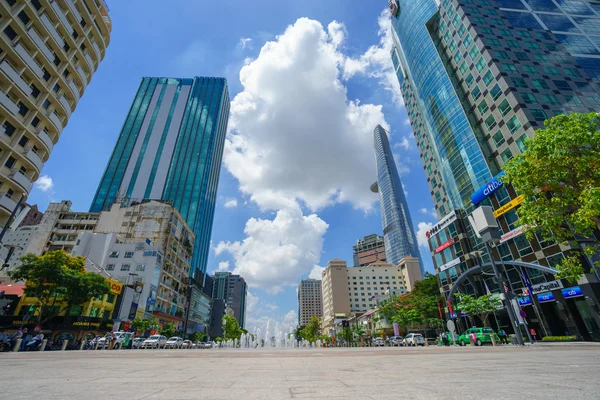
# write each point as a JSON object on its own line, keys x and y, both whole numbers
{"x": 478, "y": 78}
{"x": 170, "y": 148}
{"x": 398, "y": 233}
{"x": 368, "y": 250}
{"x": 336, "y": 302}
{"x": 49, "y": 52}
{"x": 232, "y": 289}
{"x": 310, "y": 301}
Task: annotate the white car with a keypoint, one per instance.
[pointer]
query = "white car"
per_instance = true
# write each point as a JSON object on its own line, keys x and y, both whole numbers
{"x": 413, "y": 339}
{"x": 175, "y": 342}
{"x": 137, "y": 342}
{"x": 154, "y": 341}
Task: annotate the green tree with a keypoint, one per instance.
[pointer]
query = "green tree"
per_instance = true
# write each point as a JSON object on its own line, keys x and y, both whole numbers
{"x": 559, "y": 177}
{"x": 58, "y": 281}
{"x": 143, "y": 325}
{"x": 311, "y": 331}
{"x": 198, "y": 337}
{"x": 169, "y": 330}
{"x": 481, "y": 306}
{"x": 231, "y": 328}
{"x": 347, "y": 334}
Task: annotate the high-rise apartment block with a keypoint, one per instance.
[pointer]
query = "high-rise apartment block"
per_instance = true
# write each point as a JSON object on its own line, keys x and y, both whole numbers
{"x": 368, "y": 250}
{"x": 49, "y": 52}
{"x": 478, "y": 77}
{"x": 232, "y": 289}
{"x": 170, "y": 148}
{"x": 310, "y": 301}
{"x": 398, "y": 232}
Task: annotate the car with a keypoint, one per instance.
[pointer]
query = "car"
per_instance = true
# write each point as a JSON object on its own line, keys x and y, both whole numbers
{"x": 154, "y": 341}
{"x": 482, "y": 336}
{"x": 413, "y": 339}
{"x": 395, "y": 340}
{"x": 188, "y": 344}
{"x": 104, "y": 342}
{"x": 378, "y": 342}
{"x": 205, "y": 345}
{"x": 452, "y": 336}
{"x": 174, "y": 342}
{"x": 137, "y": 342}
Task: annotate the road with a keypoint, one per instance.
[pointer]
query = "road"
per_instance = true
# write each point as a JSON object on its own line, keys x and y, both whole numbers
{"x": 537, "y": 372}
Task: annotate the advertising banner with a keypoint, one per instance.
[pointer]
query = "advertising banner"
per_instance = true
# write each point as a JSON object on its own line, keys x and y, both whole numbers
{"x": 514, "y": 233}
{"x": 509, "y": 206}
{"x": 483, "y": 193}
{"x": 396, "y": 329}
{"x": 574, "y": 291}
{"x": 442, "y": 223}
{"x": 444, "y": 246}
{"x": 524, "y": 301}
{"x": 545, "y": 297}
{"x": 137, "y": 291}
{"x": 547, "y": 286}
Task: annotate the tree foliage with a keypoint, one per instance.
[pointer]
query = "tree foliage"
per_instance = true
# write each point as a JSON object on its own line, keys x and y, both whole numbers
{"x": 481, "y": 306}
{"x": 143, "y": 325}
{"x": 311, "y": 331}
{"x": 559, "y": 176}
{"x": 57, "y": 279}
{"x": 169, "y": 329}
{"x": 231, "y": 328}
{"x": 198, "y": 336}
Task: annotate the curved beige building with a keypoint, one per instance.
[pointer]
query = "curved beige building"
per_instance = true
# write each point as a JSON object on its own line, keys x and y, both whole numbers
{"x": 49, "y": 51}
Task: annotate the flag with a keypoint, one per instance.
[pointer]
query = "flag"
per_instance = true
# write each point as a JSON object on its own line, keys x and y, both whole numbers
{"x": 372, "y": 297}
{"x": 527, "y": 283}
{"x": 439, "y": 309}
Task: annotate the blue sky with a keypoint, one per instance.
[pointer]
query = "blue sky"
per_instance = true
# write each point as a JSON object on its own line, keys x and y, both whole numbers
{"x": 299, "y": 153}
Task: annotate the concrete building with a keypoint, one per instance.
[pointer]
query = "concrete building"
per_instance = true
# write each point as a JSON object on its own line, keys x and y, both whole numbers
{"x": 334, "y": 287}
{"x": 411, "y": 272}
{"x": 170, "y": 148}
{"x": 233, "y": 290}
{"x": 310, "y": 301}
{"x": 495, "y": 71}
{"x": 398, "y": 232}
{"x": 368, "y": 250}
{"x": 49, "y": 52}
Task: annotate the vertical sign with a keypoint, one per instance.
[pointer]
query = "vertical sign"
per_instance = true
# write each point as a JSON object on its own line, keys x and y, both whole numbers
{"x": 137, "y": 291}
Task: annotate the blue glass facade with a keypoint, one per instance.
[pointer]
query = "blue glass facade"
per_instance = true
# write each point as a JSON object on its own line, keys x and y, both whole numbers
{"x": 170, "y": 148}
{"x": 398, "y": 233}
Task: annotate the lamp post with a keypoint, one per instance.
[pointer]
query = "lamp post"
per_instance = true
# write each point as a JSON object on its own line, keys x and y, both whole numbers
{"x": 486, "y": 226}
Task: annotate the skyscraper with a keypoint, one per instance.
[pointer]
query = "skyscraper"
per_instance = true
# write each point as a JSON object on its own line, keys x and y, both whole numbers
{"x": 48, "y": 55}
{"x": 398, "y": 233}
{"x": 368, "y": 250}
{"x": 170, "y": 148}
{"x": 232, "y": 289}
{"x": 310, "y": 301}
{"x": 478, "y": 77}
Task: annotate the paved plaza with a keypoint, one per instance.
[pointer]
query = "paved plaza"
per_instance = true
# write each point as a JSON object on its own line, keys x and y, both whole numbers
{"x": 537, "y": 372}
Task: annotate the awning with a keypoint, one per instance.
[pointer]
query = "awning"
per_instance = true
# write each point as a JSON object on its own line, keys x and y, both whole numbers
{"x": 15, "y": 289}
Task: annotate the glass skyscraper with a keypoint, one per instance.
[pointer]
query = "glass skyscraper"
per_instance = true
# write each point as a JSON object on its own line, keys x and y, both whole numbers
{"x": 170, "y": 148}
{"x": 478, "y": 78}
{"x": 398, "y": 233}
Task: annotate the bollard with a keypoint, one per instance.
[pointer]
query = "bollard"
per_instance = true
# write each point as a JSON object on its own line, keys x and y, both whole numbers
{"x": 44, "y": 342}
{"x": 17, "y": 345}
{"x": 64, "y": 345}
{"x": 493, "y": 340}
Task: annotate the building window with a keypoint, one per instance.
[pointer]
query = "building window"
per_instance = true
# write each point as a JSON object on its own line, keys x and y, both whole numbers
{"x": 23, "y": 109}
{"x": 498, "y": 138}
{"x": 114, "y": 254}
{"x": 23, "y": 141}
{"x": 496, "y": 92}
{"x": 140, "y": 267}
{"x": 36, "y": 4}
{"x": 506, "y": 155}
{"x": 129, "y": 254}
{"x": 504, "y": 107}
{"x": 513, "y": 124}
{"x": 8, "y": 129}
{"x": 10, "y": 162}
{"x": 125, "y": 267}
{"x": 10, "y": 33}
{"x": 529, "y": 98}
{"x": 110, "y": 267}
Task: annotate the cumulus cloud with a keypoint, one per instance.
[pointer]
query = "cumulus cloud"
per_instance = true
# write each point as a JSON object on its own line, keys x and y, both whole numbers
{"x": 223, "y": 266}
{"x": 402, "y": 144}
{"x": 276, "y": 252}
{"x": 231, "y": 203}
{"x": 44, "y": 184}
{"x": 251, "y": 303}
{"x": 246, "y": 43}
{"x": 316, "y": 273}
{"x": 294, "y": 134}
{"x": 376, "y": 61}
{"x": 423, "y": 227}
{"x": 429, "y": 212}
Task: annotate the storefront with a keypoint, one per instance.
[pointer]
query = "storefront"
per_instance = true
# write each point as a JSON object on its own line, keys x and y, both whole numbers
{"x": 75, "y": 328}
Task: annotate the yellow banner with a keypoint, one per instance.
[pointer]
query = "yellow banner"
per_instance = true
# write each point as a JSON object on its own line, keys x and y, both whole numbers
{"x": 115, "y": 287}
{"x": 509, "y": 206}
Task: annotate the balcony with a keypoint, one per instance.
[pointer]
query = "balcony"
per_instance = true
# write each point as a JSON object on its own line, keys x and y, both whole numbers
{"x": 62, "y": 17}
{"x": 73, "y": 9}
{"x": 82, "y": 74}
{"x": 40, "y": 44}
{"x": 29, "y": 60}
{"x": 22, "y": 181}
{"x": 34, "y": 159}
{"x": 90, "y": 62}
{"x": 75, "y": 90}
{"x": 7, "y": 203}
{"x": 97, "y": 50}
{"x": 66, "y": 105}
{"x": 44, "y": 137}
{"x": 56, "y": 121}
{"x": 8, "y": 103}
{"x": 15, "y": 77}
{"x": 53, "y": 32}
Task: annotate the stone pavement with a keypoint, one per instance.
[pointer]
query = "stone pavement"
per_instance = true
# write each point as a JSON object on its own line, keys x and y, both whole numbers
{"x": 536, "y": 372}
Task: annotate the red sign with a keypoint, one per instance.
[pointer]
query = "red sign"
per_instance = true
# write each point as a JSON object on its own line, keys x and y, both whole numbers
{"x": 126, "y": 326}
{"x": 444, "y": 246}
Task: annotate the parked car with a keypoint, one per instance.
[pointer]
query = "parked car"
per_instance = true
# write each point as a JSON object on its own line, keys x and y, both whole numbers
{"x": 482, "y": 336}
{"x": 104, "y": 342}
{"x": 137, "y": 342}
{"x": 205, "y": 345}
{"x": 378, "y": 342}
{"x": 450, "y": 336}
{"x": 188, "y": 344}
{"x": 413, "y": 339}
{"x": 395, "y": 340}
{"x": 174, "y": 342}
{"x": 154, "y": 341}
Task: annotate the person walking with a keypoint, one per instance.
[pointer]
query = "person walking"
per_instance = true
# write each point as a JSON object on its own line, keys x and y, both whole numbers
{"x": 502, "y": 336}
{"x": 25, "y": 336}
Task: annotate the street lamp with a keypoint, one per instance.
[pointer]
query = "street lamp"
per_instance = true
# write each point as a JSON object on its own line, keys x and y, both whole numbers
{"x": 486, "y": 225}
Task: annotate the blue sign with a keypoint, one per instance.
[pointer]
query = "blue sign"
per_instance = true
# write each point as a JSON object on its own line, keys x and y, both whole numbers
{"x": 574, "y": 291}
{"x": 544, "y": 297}
{"x": 524, "y": 301}
{"x": 494, "y": 184}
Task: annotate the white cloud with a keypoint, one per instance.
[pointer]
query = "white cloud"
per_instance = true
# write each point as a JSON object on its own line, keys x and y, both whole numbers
{"x": 404, "y": 189}
{"x": 376, "y": 61}
{"x": 402, "y": 144}
{"x": 223, "y": 266}
{"x": 316, "y": 273}
{"x": 251, "y": 303}
{"x": 44, "y": 184}
{"x": 406, "y": 121}
{"x": 231, "y": 203}
{"x": 429, "y": 212}
{"x": 421, "y": 233}
{"x": 294, "y": 134}
{"x": 275, "y": 253}
{"x": 246, "y": 43}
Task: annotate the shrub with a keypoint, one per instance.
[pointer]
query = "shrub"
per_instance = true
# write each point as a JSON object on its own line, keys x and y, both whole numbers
{"x": 558, "y": 338}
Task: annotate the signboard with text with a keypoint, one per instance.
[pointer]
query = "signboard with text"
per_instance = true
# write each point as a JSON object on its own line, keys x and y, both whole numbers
{"x": 509, "y": 206}
{"x": 442, "y": 223}
{"x": 574, "y": 291}
{"x": 545, "y": 297}
{"x": 547, "y": 286}
{"x": 483, "y": 193}
{"x": 514, "y": 233}
{"x": 444, "y": 246}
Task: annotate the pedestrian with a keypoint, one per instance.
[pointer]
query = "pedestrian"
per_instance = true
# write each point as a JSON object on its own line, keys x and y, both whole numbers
{"x": 25, "y": 336}
{"x": 446, "y": 339}
{"x": 502, "y": 336}
{"x": 533, "y": 333}
{"x": 113, "y": 340}
{"x": 474, "y": 338}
